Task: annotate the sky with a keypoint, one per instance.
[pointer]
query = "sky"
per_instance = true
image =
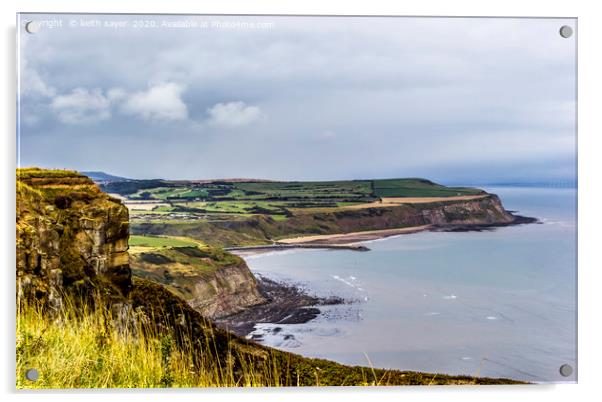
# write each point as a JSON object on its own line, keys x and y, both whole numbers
{"x": 455, "y": 100}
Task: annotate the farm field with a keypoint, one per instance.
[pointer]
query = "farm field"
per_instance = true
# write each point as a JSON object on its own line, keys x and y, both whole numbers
{"x": 160, "y": 241}
{"x": 170, "y": 202}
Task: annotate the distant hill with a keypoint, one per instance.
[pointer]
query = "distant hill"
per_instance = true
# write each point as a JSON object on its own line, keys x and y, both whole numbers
{"x": 102, "y": 177}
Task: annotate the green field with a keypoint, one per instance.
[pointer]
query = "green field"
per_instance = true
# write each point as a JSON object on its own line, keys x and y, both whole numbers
{"x": 158, "y": 241}
{"x": 279, "y": 200}
{"x": 418, "y": 188}
{"x": 293, "y": 191}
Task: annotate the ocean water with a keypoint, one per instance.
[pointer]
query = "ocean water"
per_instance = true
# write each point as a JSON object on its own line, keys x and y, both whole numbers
{"x": 499, "y": 303}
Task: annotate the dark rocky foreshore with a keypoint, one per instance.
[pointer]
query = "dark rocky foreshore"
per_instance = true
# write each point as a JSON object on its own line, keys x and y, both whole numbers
{"x": 287, "y": 304}
{"x": 518, "y": 220}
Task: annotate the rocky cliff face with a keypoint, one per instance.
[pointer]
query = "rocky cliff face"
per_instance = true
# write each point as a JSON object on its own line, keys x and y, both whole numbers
{"x": 231, "y": 290}
{"x": 213, "y": 282}
{"x": 70, "y": 236}
{"x": 484, "y": 211}
{"x": 262, "y": 229}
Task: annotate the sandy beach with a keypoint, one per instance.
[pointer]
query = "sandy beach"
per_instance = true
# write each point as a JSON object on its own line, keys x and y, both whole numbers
{"x": 335, "y": 241}
{"x": 352, "y": 237}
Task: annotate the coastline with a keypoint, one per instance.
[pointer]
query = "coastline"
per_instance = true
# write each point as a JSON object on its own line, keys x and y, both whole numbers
{"x": 353, "y": 237}
{"x": 286, "y": 303}
{"x": 354, "y": 240}
{"x": 289, "y": 304}
{"x": 342, "y": 241}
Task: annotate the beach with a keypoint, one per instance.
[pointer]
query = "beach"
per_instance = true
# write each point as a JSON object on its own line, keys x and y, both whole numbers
{"x": 353, "y": 237}
{"x": 343, "y": 241}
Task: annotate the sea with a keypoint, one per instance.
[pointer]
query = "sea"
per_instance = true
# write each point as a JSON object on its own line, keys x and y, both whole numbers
{"x": 496, "y": 303}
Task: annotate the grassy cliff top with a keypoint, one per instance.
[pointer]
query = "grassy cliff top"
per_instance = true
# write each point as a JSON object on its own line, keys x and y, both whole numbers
{"x": 54, "y": 186}
{"x": 35, "y": 172}
{"x": 184, "y": 265}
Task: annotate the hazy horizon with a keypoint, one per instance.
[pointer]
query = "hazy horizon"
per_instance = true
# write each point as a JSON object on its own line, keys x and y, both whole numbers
{"x": 452, "y": 100}
{"x": 559, "y": 182}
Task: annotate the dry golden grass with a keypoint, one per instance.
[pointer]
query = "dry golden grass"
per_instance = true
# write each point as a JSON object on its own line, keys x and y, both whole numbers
{"x": 85, "y": 349}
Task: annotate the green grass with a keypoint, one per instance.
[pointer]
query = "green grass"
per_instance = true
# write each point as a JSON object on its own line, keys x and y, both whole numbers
{"x": 34, "y": 172}
{"x": 237, "y": 207}
{"x": 85, "y": 349}
{"x": 164, "y": 193}
{"x": 310, "y": 190}
{"x": 160, "y": 210}
{"x": 181, "y": 269}
{"x": 272, "y": 197}
{"x": 159, "y": 241}
{"x": 418, "y": 188}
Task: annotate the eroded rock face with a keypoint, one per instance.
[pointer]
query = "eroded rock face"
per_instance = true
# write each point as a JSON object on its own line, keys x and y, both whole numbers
{"x": 488, "y": 210}
{"x": 482, "y": 211}
{"x": 70, "y": 236}
{"x": 231, "y": 290}
{"x": 213, "y": 282}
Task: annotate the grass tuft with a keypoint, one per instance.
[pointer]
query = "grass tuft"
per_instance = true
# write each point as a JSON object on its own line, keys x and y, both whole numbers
{"x": 86, "y": 348}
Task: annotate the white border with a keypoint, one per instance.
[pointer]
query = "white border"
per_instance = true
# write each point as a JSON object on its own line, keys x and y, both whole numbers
{"x": 590, "y": 279}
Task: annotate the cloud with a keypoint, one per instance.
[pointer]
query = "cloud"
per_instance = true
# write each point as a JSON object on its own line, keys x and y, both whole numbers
{"x": 160, "y": 102}
{"x": 328, "y": 134}
{"x": 116, "y": 94}
{"x": 82, "y": 106}
{"x": 233, "y": 114}
{"x": 31, "y": 82}
{"x": 433, "y": 97}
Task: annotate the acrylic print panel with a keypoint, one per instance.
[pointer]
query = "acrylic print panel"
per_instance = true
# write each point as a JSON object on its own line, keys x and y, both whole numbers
{"x": 295, "y": 201}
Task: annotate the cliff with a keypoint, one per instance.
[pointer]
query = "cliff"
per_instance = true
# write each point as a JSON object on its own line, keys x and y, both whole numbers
{"x": 482, "y": 211}
{"x": 212, "y": 281}
{"x": 70, "y": 235}
{"x": 261, "y": 229}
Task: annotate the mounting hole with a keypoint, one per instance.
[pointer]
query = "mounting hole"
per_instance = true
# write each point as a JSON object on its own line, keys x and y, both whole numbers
{"x": 566, "y": 31}
{"x": 32, "y": 374}
{"x": 566, "y": 370}
{"x": 32, "y": 27}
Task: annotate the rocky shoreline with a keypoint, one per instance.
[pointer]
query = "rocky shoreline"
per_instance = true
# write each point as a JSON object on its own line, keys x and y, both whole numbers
{"x": 519, "y": 220}
{"x": 286, "y": 304}
{"x": 290, "y": 304}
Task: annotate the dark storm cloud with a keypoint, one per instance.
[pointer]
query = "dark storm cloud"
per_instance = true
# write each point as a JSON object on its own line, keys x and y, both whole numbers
{"x": 319, "y": 98}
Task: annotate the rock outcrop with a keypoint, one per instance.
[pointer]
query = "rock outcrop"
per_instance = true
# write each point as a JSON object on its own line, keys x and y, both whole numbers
{"x": 262, "y": 229}
{"x": 213, "y": 282}
{"x": 70, "y": 236}
{"x": 232, "y": 289}
{"x": 483, "y": 211}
